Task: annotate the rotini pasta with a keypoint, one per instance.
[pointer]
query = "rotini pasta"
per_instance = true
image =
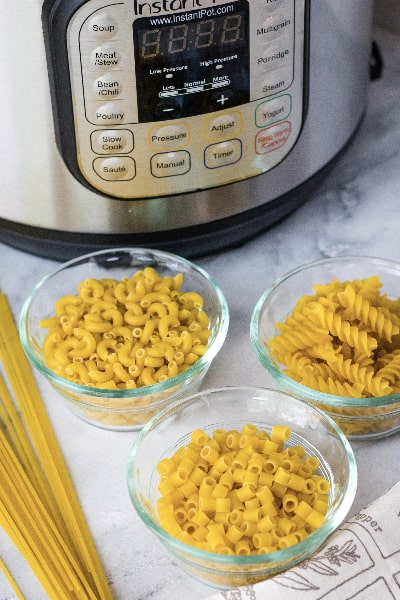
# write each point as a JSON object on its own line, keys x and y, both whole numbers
{"x": 234, "y": 493}
{"x": 343, "y": 340}
{"x": 126, "y": 334}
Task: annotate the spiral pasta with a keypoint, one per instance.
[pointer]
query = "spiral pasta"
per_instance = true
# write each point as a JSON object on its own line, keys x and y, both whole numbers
{"x": 125, "y": 334}
{"x": 343, "y": 340}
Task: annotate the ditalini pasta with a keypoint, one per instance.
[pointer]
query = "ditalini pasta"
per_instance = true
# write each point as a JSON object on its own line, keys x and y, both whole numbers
{"x": 343, "y": 340}
{"x": 126, "y": 334}
{"x": 241, "y": 492}
{"x": 39, "y": 508}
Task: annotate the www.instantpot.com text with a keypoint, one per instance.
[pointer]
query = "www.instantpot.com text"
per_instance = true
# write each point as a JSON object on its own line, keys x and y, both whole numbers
{"x": 201, "y": 8}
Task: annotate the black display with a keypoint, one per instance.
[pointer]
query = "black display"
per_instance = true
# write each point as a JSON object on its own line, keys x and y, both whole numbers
{"x": 189, "y": 64}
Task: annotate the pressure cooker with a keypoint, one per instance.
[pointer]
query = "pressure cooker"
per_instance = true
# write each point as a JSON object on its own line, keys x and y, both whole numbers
{"x": 186, "y": 125}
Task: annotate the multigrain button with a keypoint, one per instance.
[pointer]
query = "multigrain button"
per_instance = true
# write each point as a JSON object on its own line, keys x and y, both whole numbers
{"x": 102, "y": 27}
{"x": 169, "y": 136}
{"x": 107, "y": 86}
{"x": 112, "y": 141}
{"x": 115, "y": 168}
{"x": 170, "y": 164}
{"x": 223, "y": 154}
{"x": 105, "y": 57}
{"x": 223, "y": 126}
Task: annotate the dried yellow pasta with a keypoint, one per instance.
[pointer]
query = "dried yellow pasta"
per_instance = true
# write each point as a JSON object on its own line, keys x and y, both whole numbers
{"x": 342, "y": 339}
{"x": 214, "y": 494}
{"x": 126, "y": 334}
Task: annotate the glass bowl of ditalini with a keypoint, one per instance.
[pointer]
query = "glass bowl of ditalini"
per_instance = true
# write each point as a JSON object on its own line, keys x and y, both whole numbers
{"x": 329, "y": 332}
{"x": 121, "y": 333}
{"x": 241, "y": 483}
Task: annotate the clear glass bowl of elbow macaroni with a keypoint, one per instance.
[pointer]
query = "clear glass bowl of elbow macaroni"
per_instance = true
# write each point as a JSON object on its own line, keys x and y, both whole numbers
{"x": 145, "y": 325}
{"x": 177, "y": 431}
{"x": 329, "y": 332}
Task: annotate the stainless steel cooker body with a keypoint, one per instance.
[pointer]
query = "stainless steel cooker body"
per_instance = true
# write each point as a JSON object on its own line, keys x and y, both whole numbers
{"x": 182, "y": 125}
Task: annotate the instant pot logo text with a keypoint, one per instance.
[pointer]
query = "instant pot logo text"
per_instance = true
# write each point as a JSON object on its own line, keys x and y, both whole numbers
{"x": 162, "y": 6}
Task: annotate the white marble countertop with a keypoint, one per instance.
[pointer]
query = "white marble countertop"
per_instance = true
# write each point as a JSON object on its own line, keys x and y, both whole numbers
{"x": 355, "y": 211}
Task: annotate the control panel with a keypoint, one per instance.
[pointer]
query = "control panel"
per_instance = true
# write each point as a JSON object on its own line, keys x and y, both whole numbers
{"x": 174, "y": 96}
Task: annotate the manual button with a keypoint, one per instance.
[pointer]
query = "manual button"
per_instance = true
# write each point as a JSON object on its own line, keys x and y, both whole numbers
{"x": 115, "y": 168}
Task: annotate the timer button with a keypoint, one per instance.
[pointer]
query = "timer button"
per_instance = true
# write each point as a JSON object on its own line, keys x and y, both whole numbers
{"x": 102, "y": 27}
{"x": 223, "y": 154}
{"x": 169, "y": 136}
{"x": 105, "y": 57}
{"x": 107, "y": 86}
{"x": 112, "y": 141}
{"x": 115, "y": 168}
{"x": 223, "y": 126}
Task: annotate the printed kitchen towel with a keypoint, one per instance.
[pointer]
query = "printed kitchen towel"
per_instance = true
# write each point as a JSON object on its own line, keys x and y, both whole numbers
{"x": 360, "y": 561}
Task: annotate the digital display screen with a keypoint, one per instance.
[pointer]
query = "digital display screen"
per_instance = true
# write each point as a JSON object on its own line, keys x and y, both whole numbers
{"x": 210, "y": 33}
{"x": 192, "y": 63}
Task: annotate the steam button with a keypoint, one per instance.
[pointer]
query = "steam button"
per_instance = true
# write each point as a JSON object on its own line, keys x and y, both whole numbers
{"x": 102, "y": 27}
{"x": 115, "y": 168}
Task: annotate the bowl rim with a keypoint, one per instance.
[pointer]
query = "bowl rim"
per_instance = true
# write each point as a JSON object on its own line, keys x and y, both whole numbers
{"x": 315, "y": 539}
{"x": 298, "y": 388}
{"x": 182, "y": 378}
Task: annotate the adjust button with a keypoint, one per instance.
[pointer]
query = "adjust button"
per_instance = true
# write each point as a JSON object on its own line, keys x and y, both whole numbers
{"x": 223, "y": 154}
{"x": 115, "y": 168}
{"x": 112, "y": 141}
{"x": 223, "y": 126}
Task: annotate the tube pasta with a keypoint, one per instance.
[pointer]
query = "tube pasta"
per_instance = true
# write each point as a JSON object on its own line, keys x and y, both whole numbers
{"x": 134, "y": 332}
{"x": 211, "y": 493}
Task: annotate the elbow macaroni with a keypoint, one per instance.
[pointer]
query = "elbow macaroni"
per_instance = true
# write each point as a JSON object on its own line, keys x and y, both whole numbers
{"x": 213, "y": 498}
{"x": 126, "y": 334}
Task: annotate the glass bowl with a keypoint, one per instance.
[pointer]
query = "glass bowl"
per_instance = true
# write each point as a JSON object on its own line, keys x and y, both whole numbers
{"x": 121, "y": 409}
{"x": 231, "y": 408}
{"x": 358, "y": 417}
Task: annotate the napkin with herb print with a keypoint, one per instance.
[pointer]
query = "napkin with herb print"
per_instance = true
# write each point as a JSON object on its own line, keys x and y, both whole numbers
{"x": 360, "y": 561}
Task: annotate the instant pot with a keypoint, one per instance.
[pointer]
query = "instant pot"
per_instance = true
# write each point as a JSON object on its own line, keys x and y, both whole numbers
{"x": 186, "y": 125}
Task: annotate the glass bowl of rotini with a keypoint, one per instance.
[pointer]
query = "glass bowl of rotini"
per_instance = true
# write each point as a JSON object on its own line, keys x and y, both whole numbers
{"x": 121, "y": 333}
{"x": 241, "y": 483}
{"x": 329, "y": 332}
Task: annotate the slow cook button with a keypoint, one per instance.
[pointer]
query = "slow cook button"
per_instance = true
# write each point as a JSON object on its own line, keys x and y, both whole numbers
{"x": 273, "y": 110}
{"x": 115, "y": 168}
{"x": 170, "y": 164}
{"x": 223, "y": 154}
{"x": 101, "y": 27}
{"x": 112, "y": 141}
